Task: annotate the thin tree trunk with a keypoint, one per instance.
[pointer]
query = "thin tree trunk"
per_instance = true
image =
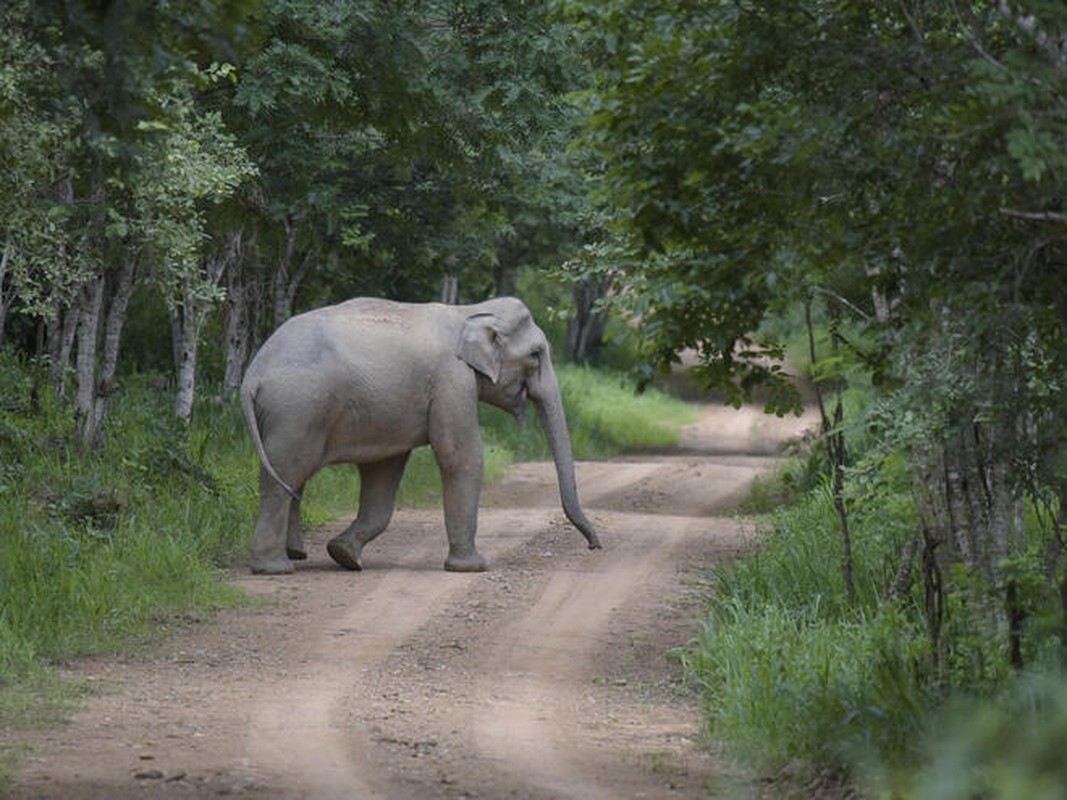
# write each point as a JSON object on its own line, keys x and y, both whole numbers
{"x": 62, "y": 331}
{"x": 85, "y": 365}
{"x": 449, "y": 289}
{"x": 238, "y": 329}
{"x": 507, "y": 266}
{"x": 7, "y": 292}
{"x": 187, "y": 352}
{"x": 585, "y": 330}
{"x": 192, "y": 313}
{"x": 286, "y": 280}
{"x": 116, "y": 321}
{"x": 835, "y": 446}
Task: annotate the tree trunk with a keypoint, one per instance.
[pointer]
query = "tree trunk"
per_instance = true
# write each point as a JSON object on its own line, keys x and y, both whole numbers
{"x": 186, "y": 350}
{"x": 449, "y": 289}
{"x": 7, "y": 292}
{"x": 85, "y": 365}
{"x": 238, "y": 328}
{"x": 287, "y": 280}
{"x": 507, "y": 266}
{"x": 834, "y": 436}
{"x": 116, "y": 321}
{"x": 62, "y": 332}
{"x": 190, "y": 319}
{"x": 585, "y": 330}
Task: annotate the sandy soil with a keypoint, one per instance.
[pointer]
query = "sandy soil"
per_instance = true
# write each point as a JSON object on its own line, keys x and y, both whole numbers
{"x": 550, "y": 676}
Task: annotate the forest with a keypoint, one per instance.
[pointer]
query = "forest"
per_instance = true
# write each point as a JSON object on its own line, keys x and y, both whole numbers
{"x": 874, "y": 192}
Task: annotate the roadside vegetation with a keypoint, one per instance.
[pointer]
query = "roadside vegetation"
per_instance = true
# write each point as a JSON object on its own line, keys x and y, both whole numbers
{"x": 889, "y": 177}
{"x": 821, "y": 668}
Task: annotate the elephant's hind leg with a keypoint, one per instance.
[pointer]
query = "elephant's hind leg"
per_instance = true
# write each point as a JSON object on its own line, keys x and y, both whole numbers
{"x": 294, "y": 539}
{"x": 379, "y": 482}
{"x": 268, "y": 539}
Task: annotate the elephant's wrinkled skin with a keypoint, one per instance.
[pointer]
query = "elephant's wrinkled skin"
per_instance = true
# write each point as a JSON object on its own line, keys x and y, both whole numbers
{"x": 366, "y": 382}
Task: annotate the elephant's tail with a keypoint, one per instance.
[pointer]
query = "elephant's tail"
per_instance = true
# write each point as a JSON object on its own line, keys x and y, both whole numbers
{"x": 248, "y": 406}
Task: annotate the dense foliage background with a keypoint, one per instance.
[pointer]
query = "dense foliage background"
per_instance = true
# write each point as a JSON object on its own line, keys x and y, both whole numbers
{"x": 874, "y": 189}
{"x": 892, "y": 174}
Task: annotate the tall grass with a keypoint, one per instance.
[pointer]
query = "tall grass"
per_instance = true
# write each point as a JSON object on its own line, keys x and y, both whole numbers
{"x": 97, "y": 546}
{"x": 793, "y": 670}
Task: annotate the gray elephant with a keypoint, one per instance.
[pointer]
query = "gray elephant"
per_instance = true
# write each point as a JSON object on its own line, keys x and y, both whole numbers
{"x": 366, "y": 382}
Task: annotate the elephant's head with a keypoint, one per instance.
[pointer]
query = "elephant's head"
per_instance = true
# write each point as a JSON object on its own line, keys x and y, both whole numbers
{"x": 511, "y": 355}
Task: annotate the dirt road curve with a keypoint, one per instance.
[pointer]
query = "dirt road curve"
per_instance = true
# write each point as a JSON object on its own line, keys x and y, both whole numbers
{"x": 546, "y": 677}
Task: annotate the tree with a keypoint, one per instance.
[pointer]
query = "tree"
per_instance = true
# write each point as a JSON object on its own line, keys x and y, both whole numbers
{"x": 95, "y": 194}
{"x": 192, "y": 160}
{"x": 901, "y": 163}
{"x": 33, "y": 147}
{"x": 253, "y": 157}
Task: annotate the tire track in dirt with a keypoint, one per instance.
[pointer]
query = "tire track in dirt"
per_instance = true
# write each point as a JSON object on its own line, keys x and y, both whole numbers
{"x": 297, "y": 729}
{"x": 300, "y": 736}
{"x": 530, "y": 675}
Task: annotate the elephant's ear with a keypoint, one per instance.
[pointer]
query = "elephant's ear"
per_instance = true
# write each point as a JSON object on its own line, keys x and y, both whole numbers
{"x": 479, "y": 345}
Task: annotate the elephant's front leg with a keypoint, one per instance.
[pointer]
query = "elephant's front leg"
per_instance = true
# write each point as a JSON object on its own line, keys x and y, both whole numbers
{"x": 461, "y": 479}
{"x": 378, "y": 485}
{"x": 269, "y": 538}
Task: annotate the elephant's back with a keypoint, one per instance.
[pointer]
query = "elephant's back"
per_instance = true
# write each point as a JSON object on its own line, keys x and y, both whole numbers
{"x": 367, "y": 346}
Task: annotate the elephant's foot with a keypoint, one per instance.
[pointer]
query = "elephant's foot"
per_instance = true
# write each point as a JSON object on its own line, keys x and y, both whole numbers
{"x": 272, "y": 566}
{"x": 471, "y": 562}
{"x": 296, "y": 555}
{"x": 345, "y": 552}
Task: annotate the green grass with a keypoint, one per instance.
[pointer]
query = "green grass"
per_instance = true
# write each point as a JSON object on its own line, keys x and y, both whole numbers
{"x": 798, "y": 679}
{"x": 100, "y": 548}
{"x": 97, "y": 548}
{"x": 783, "y": 688}
{"x": 792, "y": 671}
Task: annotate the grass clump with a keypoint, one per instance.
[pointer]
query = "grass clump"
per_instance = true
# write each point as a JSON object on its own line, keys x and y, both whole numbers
{"x": 803, "y": 682}
{"x": 795, "y": 672}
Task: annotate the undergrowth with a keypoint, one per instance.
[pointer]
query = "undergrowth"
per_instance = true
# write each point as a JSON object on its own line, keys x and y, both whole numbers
{"x": 800, "y": 680}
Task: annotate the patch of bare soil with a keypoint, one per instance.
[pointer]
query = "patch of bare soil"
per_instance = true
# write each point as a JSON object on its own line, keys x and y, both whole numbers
{"x": 550, "y": 676}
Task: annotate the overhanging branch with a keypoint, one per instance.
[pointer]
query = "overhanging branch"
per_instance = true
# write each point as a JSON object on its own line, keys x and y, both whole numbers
{"x": 1035, "y": 216}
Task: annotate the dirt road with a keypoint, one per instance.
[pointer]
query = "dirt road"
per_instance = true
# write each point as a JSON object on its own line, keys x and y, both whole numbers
{"x": 549, "y": 676}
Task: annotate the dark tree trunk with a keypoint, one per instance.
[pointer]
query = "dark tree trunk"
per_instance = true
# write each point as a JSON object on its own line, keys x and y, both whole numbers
{"x": 292, "y": 268}
{"x": 585, "y": 330}
{"x": 7, "y": 291}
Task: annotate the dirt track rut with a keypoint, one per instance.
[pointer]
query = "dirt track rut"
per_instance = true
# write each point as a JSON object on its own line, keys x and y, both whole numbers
{"x": 547, "y": 677}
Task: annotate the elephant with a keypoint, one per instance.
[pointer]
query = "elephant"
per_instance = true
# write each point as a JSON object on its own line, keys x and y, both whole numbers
{"x": 368, "y": 380}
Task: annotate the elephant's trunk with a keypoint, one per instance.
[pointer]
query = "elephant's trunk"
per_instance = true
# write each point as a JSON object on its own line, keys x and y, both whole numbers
{"x": 549, "y": 403}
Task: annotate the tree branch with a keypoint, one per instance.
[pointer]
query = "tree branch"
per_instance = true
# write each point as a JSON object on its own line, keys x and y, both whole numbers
{"x": 1034, "y": 216}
